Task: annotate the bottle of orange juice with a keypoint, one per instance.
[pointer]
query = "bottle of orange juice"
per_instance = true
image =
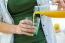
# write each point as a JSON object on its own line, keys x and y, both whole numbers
{"x": 51, "y": 10}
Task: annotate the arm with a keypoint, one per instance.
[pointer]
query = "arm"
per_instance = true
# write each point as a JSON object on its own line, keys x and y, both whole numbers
{"x": 22, "y": 28}
{"x": 7, "y": 28}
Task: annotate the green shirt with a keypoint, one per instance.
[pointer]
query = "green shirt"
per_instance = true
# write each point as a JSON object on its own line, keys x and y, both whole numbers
{"x": 19, "y": 9}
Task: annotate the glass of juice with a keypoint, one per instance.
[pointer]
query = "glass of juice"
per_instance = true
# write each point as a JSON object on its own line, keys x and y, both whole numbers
{"x": 36, "y": 23}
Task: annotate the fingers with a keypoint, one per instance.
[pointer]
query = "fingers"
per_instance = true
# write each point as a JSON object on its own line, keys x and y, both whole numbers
{"x": 55, "y": 1}
{"x": 26, "y": 26}
{"x": 28, "y": 34}
{"x": 23, "y": 31}
{"x": 29, "y": 22}
{"x": 27, "y": 30}
{"x": 62, "y": 3}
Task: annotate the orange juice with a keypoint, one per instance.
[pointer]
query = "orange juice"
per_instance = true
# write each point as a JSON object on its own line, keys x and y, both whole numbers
{"x": 54, "y": 14}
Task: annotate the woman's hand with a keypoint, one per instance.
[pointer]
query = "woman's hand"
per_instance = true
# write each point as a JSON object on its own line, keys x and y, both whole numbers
{"x": 61, "y": 4}
{"x": 25, "y": 27}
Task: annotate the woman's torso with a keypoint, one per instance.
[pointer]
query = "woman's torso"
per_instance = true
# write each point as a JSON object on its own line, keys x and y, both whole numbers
{"x": 19, "y": 9}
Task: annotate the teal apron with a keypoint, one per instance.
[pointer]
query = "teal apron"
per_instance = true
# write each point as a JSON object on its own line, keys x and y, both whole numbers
{"x": 19, "y": 9}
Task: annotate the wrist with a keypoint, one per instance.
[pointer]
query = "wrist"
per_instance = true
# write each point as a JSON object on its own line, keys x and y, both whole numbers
{"x": 17, "y": 30}
{"x": 13, "y": 29}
